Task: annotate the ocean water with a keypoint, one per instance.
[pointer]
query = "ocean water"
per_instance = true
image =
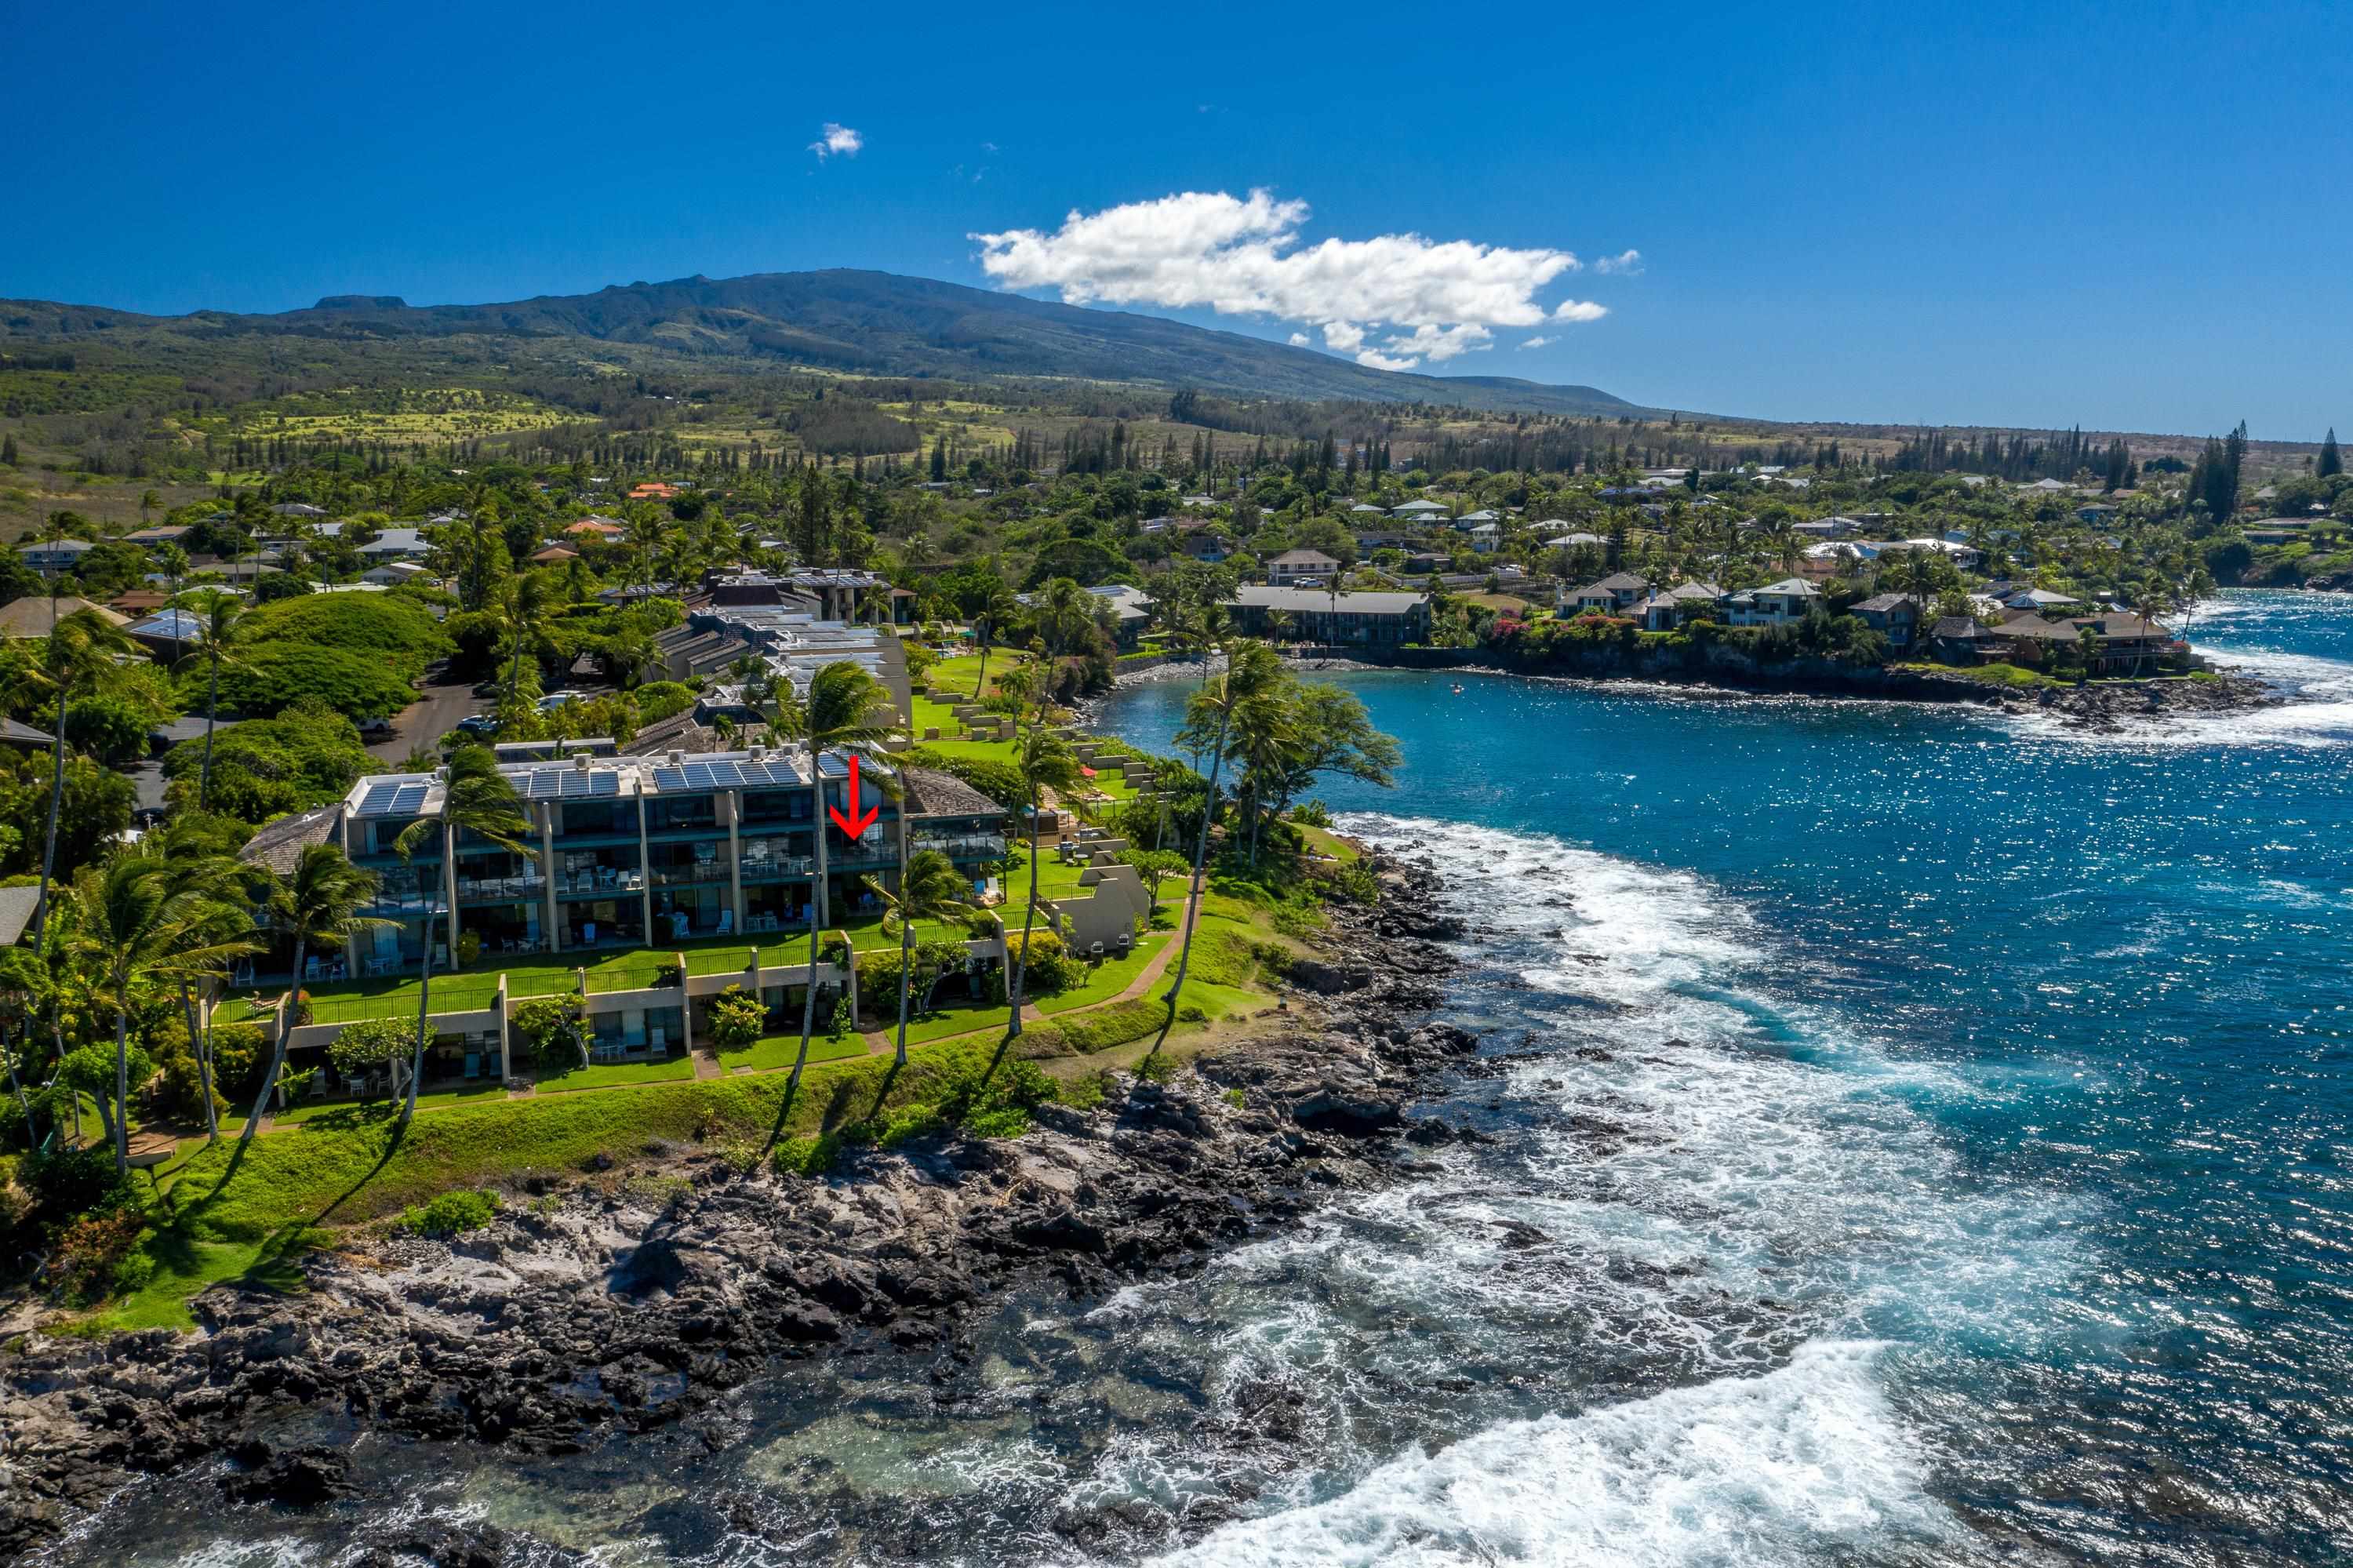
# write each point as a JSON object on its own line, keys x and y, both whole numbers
{"x": 1919, "y": 1135}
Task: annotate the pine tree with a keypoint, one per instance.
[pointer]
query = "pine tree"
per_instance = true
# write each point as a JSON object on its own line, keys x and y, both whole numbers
{"x": 2332, "y": 462}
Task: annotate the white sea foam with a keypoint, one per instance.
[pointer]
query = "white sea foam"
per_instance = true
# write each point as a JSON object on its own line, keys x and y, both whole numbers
{"x": 1786, "y": 1468}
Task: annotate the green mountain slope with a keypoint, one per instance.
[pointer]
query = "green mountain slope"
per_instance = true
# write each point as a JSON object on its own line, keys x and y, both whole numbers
{"x": 841, "y": 320}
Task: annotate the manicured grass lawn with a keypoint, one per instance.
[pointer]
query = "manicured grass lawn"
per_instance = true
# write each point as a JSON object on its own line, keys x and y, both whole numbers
{"x": 1110, "y": 978}
{"x": 615, "y": 1074}
{"x": 353, "y": 1111}
{"x": 771, "y": 1051}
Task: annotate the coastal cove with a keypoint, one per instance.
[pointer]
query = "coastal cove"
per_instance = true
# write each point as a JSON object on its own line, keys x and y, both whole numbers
{"x": 1863, "y": 1092}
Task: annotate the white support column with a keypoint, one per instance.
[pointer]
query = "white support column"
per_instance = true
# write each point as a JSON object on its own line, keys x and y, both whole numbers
{"x": 549, "y": 908}
{"x": 449, "y": 889}
{"x": 645, "y": 876}
{"x": 730, "y": 805}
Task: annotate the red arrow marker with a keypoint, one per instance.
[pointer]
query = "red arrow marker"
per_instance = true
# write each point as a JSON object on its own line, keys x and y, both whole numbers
{"x": 854, "y": 825}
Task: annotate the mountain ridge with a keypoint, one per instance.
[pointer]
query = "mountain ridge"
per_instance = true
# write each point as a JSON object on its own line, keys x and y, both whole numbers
{"x": 848, "y": 319}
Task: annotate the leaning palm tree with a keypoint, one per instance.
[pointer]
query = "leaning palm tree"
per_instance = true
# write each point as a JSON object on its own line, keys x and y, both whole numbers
{"x": 81, "y": 654}
{"x": 477, "y": 799}
{"x": 847, "y": 709}
{"x": 135, "y": 932}
{"x": 1252, "y": 672}
{"x": 930, "y": 888}
{"x": 317, "y": 904}
{"x": 522, "y": 600}
{"x": 198, "y": 865}
{"x": 998, "y": 606}
{"x": 218, "y": 626}
{"x": 1047, "y": 762}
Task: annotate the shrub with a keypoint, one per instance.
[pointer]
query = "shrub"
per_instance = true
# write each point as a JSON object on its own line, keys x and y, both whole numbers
{"x": 1000, "y": 781}
{"x": 841, "y": 1022}
{"x": 372, "y": 1043}
{"x": 452, "y": 1213}
{"x": 548, "y": 1028}
{"x": 67, "y": 1182}
{"x": 92, "y": 1251}
{"x": 659, "y": 700}
{"x": 1311, "y": 814}
{"x": 736, "y": 1019}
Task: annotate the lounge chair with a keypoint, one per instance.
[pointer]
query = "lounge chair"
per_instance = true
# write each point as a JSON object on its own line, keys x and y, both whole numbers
{"x": 473, "y": 1065}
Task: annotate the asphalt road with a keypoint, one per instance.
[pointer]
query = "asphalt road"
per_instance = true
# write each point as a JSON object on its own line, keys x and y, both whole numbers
{"x": 426, "y": 720}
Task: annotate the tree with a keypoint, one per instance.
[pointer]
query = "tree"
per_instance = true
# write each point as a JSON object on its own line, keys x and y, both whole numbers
{"x": 317, "y": 904}
{"x": 200, "y": 862}
{"x": 996, "y": 607}
{"x": 477, "y": 799}
{"x": 1251, "y": 669}
{"x": 2332, "y": 462}
{"x": 81, "y": 652}
{"x": 1047, "y": 762}
{"x": 930, "y": 888}
{"x": 370, "y": 1042}
{"x": 133, "y": 932}
{"x": 736, "y": 1018}
{"x": 846, "y": 710}
{"x": 219, "y": 616}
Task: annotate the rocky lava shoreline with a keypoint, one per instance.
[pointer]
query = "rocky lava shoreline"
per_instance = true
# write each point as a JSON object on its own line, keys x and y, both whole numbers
{"x": 623, "y": 1305}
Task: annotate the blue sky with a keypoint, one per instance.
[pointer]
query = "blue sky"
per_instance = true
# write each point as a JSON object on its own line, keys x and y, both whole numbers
{"x": 2123, "y": 215}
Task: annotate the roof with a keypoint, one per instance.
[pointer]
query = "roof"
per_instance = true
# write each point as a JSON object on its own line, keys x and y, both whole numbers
{"x": 171, "y": 626}
{"x": 30, "y": 615}
{"x": 17, "y": 912}
{"x": 1799, "y": 587}
{"x": 1421, "y": 506}
{"x": 1303, "y": 558}
{"x": 555, "y": 553}
{"x": 396, "y": 541}
{"x": 1884, "y": 603}
{"x": 17, "y": 732}
{"x": 1615, "y": 583}
{"x": 1960, "y": 629}
{"x": 938, "y": 794}
{"x": 1694, "y": 591}
{"x": 279, "y": 844}
{"x": 56, "y": 547}
{"x": 1314, "y": 601}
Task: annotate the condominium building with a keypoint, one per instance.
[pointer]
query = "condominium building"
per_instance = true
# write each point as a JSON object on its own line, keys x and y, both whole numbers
{"x": 643, "y": 851}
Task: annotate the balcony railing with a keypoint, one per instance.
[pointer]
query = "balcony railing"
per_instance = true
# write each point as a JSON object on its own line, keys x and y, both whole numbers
{"x": 777, "y": 867}
{"x": 862, "y": 852}
{"x": 407, "y": 891}
{"x": 521, "y": 889}
{"x": 603, "y": 880}
{"x": 960, "y": 846}
{"x": 687, "y": 873}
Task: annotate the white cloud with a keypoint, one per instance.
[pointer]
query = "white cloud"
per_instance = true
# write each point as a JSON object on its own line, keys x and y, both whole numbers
{"x": 1428, "y": 300}
{"x": 835, "y": 139}
{"x": 1539, "y": 342}
{"x": 1579, "y": 311}
{"x": 1299, "y": 340}
{"x": 1626, "y": 261}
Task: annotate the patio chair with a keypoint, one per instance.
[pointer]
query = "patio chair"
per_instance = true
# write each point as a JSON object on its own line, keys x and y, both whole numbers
{"x": 660, "y": 1041}
{"x": 473, "y": 1065}
{"x": 727, "y": 922}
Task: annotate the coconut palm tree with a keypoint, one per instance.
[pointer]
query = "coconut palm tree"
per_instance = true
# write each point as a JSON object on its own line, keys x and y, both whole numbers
{"x": 318, "y": 903}
{"x": 998, "y": 606}
{"x": 1047, "y": 762}
{"x": 24, "y": 987}
{"x": 522, "y": 600}
{"x": 477, "y": 799}
{"x": 1252, "y": 672}
{"x": 930, "y": 888}
{"x": 135, "y": 932}
{"x": 198, "y": 865}
{"x": 847, "y": 709}
{"x": 81, "y": 654}
{"x": 220, "y": 624}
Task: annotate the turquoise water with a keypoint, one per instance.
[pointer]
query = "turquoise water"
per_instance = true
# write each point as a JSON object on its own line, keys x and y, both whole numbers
{"x": 2014, "y": 1059}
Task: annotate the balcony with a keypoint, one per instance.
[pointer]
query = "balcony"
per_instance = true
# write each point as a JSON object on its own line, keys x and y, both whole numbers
{"x": 876, "y": 850}
{"x": 687, "y": 874}
{"x": 406, "y": 892}
{"x": 525, "y": 888}
{"x": 599, "y": 882}
{"x": 960, "y": 846}
{"x": 777, "y": 867}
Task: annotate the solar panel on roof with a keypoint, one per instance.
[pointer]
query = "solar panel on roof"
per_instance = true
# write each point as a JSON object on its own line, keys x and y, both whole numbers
{"x": 670, "y": 779}
{"x": 377, "y": 797}
{"x": 409, "y": 800}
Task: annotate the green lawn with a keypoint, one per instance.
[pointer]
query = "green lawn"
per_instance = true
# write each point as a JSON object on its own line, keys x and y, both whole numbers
{"x": 1110, "y": 978}
{"x": 617, "y": 1075}
{"x": 771, "y": 1051}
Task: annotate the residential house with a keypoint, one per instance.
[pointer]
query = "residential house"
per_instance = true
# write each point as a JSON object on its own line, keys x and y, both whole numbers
{"x": 1485, "y": 537}
{"x": 1419, "y": 511}
{"x": 163, "y": 533}
{"x": 553, "y": 555}
{"x": 1202, "y": 544}
{"x": 1666, "y": 611}
{"x": 391, "y": 574}
{"x": 1894, "y": 615}
{"x": 167, "y": 633}
{"x": 1776, "y": 604}
{"x": 610, "y": 530}
{"x": 52, "y": 556}
{"x": 396, "y": 545}
{"x": 1293, "y": 568}
{"x": 1611, "y": 596}
{"x": 31, "y": 617}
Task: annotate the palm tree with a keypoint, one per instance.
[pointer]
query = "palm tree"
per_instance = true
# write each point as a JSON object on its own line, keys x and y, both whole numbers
{"x": 81, "y": 650}
{"x": 196, "y": 866}
{"x": 148, "y": 500}
{"x": 477, "y": 799}
{"x": 998, "y": 606}
{"x": 134, "y": 931}
{"x": 24, "y": 987}
{"x": 219, "y": 618}
{"x": 1047, "y": 762}
{"x": 930, "y": 888}
{"x": 846, "y": 710}
{"x": 1253, "y": 671}
{"x": 522, "y": 599}
{"x": 317, "y": 904}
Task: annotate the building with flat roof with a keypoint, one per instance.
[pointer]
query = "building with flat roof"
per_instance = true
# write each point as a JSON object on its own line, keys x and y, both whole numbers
{"x": 1318, "y": 616}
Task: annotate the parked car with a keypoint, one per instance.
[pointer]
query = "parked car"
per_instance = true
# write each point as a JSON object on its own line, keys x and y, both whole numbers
{"x": 376, "y": 728}
{"x": 478, "y": 725}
